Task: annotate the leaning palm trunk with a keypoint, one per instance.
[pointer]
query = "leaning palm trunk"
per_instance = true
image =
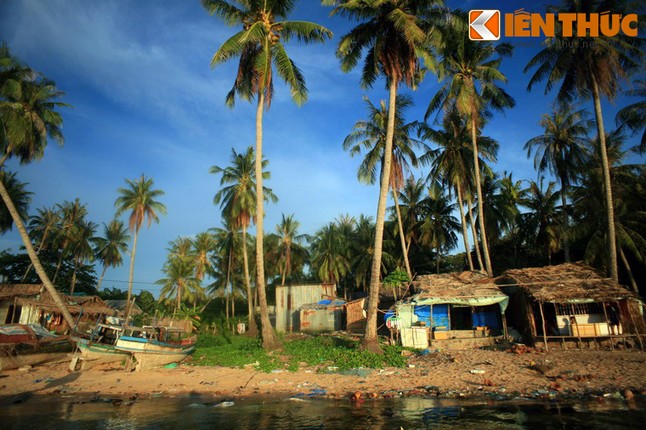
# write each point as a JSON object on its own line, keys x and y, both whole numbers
{"x": 34, "y": 258}
{"x": 370, "y": 342}
{"x": 610, "y": 210}
{"x": 474, "y": 233}
{"x": 465, "y": 232}
{"x": 629, "y": 272}
{"x": 402, "y": 237}
{"x": 40, "y": 247}
{"x": 269, "y": 340}
{"x": 253, "y": 328}
{"x": 476, "y": 167}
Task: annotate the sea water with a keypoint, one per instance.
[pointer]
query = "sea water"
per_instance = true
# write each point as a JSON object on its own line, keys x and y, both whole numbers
{"x": 197, "y": 412}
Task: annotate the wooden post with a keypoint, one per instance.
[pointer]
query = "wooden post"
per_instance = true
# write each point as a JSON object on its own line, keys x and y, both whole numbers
{"x": 13, "y": 311}
{"x": 557, "y": 323}
{"x": 578, "y": 334}
{"x": 605, "y": 314}
{"x": 540, "y": 307}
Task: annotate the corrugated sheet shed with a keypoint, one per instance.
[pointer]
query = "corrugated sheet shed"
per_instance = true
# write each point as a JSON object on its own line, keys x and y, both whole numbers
{"x": 290, "y": 298}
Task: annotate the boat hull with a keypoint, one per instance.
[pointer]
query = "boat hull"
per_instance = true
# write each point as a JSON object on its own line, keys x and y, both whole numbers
{"x": 30, "y": 345}
{"x": 150, "y": 354}
{"x": 90, "y": 354}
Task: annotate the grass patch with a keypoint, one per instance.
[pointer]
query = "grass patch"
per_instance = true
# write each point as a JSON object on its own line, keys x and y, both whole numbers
{"x": 318, "y": 351}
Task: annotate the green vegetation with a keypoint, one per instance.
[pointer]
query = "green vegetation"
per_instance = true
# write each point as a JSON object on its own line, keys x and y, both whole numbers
{"x": 319, "y": 352}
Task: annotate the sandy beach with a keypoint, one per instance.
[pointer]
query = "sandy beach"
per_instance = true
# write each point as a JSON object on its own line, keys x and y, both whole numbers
{"x": 502, "y": 374}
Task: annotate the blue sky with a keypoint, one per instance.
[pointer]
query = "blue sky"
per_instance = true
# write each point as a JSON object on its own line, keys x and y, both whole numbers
{"x": 145, "y": 100}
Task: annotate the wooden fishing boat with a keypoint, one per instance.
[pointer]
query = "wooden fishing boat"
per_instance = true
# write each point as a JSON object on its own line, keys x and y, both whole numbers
{"x": 98, "y": 347}
{"x": 155, "y": 346}
{"x": 30, "y": 345}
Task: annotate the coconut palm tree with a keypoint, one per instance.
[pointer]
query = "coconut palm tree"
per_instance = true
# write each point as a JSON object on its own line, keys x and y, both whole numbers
{"x": 41, "y": 226}
{"x": 560, "y": 150}
{"x": 541, "y": 219}
{"x": 289, "y": 242}
{"x": 203, "y": 244}
{"x": 139, "y": 199}
{"x": 260, "y": 46}
{"x": 395, "y": 35}
{"x": 330, "y": 259}
{"x": 452, "y": 163}
{"x": 179, "y": 281}
{"x": 438, "y": 225}
{"x": 590, "y": 67}
{"x": 110, "y": 248}
{"x": 370, "y": 136}
{"x": 472, "y": 73}
{"x": 223, "y": 261}
{"x": 237, "y": 199}
{"x": 29, "y": 118}
{"x": 80, "y": 247}
{"x": 72, "y": 216}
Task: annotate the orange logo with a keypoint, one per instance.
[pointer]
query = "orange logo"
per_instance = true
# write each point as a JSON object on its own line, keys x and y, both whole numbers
{"x": 484, "y": 24}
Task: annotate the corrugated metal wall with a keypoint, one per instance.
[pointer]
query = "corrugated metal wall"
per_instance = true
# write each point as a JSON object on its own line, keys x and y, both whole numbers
{"x": 291, "y": 297}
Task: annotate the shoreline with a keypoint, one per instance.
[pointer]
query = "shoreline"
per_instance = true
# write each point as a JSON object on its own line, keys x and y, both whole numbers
{"x": 492, "y": 375}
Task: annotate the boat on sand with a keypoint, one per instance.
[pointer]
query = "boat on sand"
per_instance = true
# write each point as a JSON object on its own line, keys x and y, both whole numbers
{"x": 155, "y": 346}
{"x": 30, "y": 345}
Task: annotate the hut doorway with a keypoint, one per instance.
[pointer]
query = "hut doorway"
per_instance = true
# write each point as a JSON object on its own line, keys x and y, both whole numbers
{"x": 461, "y": 317}
{"x": 13, "y": 314}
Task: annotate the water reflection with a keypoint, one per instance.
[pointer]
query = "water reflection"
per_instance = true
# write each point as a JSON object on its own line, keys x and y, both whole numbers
{"x": 42, "y": 412}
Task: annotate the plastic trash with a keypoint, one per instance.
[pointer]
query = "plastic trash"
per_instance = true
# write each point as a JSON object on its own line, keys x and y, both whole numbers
{"x": 477, "y": 371}
{"x": 224, "y": 404}
{"x": 170, "y": 366}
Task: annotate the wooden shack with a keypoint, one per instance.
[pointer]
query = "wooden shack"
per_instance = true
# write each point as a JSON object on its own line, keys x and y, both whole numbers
{"x": 571, "y": 303}
{"x": 9, "y": 310}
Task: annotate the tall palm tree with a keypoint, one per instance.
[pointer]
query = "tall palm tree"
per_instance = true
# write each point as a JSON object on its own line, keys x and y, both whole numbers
{"x": 541, "y": 219}
{"x": 289, "y": 242}
{"x": 180, "y": 279}
{"x": 139, "y": 199}
{"x": 80, "y": 247}
{"x": 472, "y": 71}
{"x": 203, "y": 244}
{"x": 590, "y": 67}
{"x": 260, "y": 46}
{"x": 224, "y": 259}
{"x": 111, "y": 246}
{"x": 560, "y": 150}
{"x": 238, "y": 201}
{"x": 42, "y": 226}
{"x": 438, "y": 225}
{"x": 72, "y": 216}
{"x": 370, "y": 135}
{"x": 329, "y": 254}
{"x": 395, "y": 35}
{"x": 452, "y": 162}
{"x": 25, "y": 101}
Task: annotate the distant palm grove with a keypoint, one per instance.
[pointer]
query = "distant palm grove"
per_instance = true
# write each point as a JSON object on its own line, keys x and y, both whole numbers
{"x": 587, "y": 201}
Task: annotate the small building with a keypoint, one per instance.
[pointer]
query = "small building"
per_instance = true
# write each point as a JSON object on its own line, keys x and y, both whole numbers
{"x": 325, "y": 316}
{"x": 466, "y": 306}
{"x": 571, "y": 303}
{"x": 119, "y": 308}
{"x": 85, "y": 310}
{"x": 9, "y": 311}
{"x": 290, "y": 298}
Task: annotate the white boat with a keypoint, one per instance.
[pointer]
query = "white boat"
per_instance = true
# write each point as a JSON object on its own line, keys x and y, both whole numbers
{"x": 155, "y": 346}
{"x": 98, "y": 347}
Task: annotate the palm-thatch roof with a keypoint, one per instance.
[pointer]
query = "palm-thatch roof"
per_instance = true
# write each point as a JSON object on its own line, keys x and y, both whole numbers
{"x": 565, "y": 283}
{"x": 19, "y": 290}
{"x": 464, "y": 284}
{"x": 466, "y": 288}
{"x": 88, "y": 305}
{"x": 119, "y": 306}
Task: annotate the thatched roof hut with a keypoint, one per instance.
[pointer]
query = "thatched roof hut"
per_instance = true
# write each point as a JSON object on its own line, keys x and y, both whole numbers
{"x": 9, "y": 291}
{"x": 88, "y": 305}
{"x": 570, "y": 301}
{"x": 457, "y": 287}
{"x": 565, "y": 283}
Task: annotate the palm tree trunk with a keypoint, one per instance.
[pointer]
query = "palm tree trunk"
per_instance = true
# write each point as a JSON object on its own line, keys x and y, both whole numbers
{"x": 465, "y": 232}
{"x": 98, "y": 285}
{"x": 253, "y": 328}
{"x": 73, "y": 282}
{"x": 610, "y": 210}
{"x": 565, "y": 229}
{"x": 34, "y": 258}
{"x": 59, "y": 264}
{"x": 131, "y": 273}
{"x": 269, "y": 340}
{"x": 178, "y": 299}
{"x": 476, "y": 167}
{"x": 624, "y": 260}
{"x": 40, "y": 247}
{"x": 474, "y": 233}
{"x": 402, "y": 237}
{"x": 370, "y": 342}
